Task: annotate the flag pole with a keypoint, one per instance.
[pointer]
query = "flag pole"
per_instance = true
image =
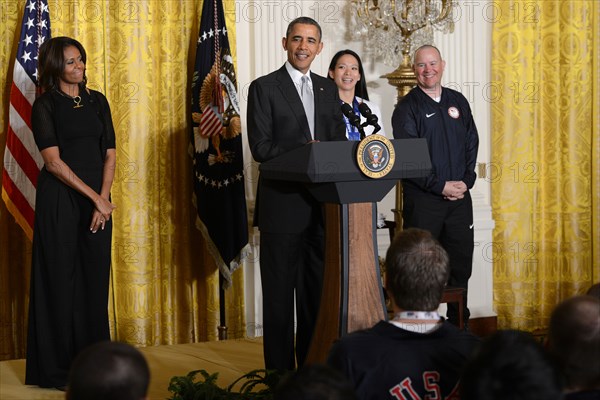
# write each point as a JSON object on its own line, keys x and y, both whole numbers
{"x": 222, "y": 328}
{"x": 216, "y": 139}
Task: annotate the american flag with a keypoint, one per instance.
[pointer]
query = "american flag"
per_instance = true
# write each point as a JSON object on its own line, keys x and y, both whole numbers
{"x": 22, "y": 161}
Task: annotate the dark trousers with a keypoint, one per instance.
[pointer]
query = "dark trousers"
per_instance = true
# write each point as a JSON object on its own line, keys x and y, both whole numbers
{"x": 290, "y": 263}
{"x": 451, "y": 222}
{"x": 70, "y": 271}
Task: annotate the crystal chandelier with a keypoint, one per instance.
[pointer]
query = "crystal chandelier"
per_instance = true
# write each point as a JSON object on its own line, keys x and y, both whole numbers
{"x": 396, "y": 28}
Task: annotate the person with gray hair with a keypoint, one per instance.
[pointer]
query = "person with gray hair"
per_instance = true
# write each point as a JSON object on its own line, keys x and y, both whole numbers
{"x": 109, "y": 370}
{"x": 416, "y": 354}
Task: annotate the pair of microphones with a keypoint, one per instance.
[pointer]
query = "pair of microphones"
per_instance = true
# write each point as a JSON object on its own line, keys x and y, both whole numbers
{"x": 371, "y": 119}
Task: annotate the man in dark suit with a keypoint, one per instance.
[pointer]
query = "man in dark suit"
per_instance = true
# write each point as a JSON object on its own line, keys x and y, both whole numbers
{"x": 289, "y": 219}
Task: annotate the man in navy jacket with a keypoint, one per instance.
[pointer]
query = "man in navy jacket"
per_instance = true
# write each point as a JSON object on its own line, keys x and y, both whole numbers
{"x": 441, "y": 202}
{"x": 416, "y": 355}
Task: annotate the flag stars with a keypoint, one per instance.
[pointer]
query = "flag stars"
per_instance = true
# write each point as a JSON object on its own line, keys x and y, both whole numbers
{"x": 42, "y": 24}
{"x": 29, "y": 23}
{"x": 28, "y": 40}
{"x": 216, "y": 183}
{"x": 40, "y": 40}
{"x": 206, "y": 35}
{"x": 229, "y": 70}
{"x": 31, "y": 6}
{"x": 26, "y": 56}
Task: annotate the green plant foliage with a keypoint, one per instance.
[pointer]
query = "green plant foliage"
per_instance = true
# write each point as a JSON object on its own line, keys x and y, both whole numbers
{"x": 201, "y": 385}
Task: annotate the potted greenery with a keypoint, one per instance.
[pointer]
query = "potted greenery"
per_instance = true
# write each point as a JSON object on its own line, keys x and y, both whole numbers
{"x": 200, "y": 385}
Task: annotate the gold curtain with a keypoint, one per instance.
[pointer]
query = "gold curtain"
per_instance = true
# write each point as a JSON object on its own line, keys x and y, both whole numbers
{"x": 545, "y": 151}
{"x": 164, "y": 283}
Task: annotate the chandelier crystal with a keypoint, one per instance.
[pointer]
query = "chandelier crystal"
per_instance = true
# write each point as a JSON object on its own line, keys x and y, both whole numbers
{"x": 396, "y": 28}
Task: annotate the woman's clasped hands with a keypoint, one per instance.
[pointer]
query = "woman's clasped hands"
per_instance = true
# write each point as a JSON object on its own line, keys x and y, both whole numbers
{"x": 101, "y": 214}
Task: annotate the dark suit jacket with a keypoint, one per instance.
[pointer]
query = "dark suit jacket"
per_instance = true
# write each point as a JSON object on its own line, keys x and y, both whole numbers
{"x": 277, "y": 124}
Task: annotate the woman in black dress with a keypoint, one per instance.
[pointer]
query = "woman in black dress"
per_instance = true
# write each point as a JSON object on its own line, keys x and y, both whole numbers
{"x": 72, "y": 127}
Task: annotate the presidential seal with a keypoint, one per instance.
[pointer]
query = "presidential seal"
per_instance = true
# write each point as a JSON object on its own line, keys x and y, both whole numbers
{"x": 375, "y": 156}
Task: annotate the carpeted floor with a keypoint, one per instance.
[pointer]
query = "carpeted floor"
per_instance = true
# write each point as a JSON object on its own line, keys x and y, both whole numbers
{"x": 231, "y": 358}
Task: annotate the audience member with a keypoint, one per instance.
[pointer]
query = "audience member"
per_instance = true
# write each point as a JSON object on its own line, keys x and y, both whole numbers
{"x": 417, "y": 354}
{"x": 574, "y": 343}
{"x": 510, "y": 365}
{"x": 109, "y": 370}
{"x": 315, "y": 382}
{"x": 594, "y": 291}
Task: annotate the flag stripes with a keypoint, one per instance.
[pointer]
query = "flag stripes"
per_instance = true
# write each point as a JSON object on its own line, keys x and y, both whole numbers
{"x": 22, "y": 161}
{"x": 210, "y": 123}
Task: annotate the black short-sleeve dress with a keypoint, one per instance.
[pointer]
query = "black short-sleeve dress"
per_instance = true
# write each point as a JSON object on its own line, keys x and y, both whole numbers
{"x": 68, "y": 304}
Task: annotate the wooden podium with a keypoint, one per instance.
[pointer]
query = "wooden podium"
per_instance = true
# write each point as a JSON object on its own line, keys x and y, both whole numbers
{"x": 352, "y": 296}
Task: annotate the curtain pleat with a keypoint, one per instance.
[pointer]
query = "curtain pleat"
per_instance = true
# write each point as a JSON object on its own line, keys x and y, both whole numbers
{"x": 545, "y": 139}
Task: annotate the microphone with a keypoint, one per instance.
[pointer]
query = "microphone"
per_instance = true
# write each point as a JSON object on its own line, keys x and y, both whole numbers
{"x": 371, "y": 118}
{"x": 353, "y": 118}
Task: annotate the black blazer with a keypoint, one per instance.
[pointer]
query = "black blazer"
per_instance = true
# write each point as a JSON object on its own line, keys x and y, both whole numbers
{"x": 277, "y": 124}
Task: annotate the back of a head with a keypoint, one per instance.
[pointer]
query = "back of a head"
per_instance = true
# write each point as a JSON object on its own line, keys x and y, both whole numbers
{"x": 510, "y": 365}
{"x": 594, "y": 291}
{"x": 315, "y": 382}
{"x": 109, "y": 370}
{"x": 574, "y": 341}
{"x": 416, "y": 270}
